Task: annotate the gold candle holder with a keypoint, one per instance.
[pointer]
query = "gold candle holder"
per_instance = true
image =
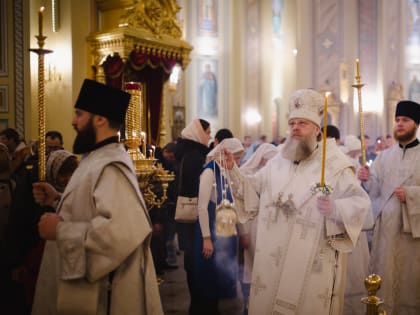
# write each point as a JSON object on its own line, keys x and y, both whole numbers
{"x": 373, "y": 303}
{"x": 41, "y": 98}
{"x": 358, "y": 85}
{"x": 150, "y": 177}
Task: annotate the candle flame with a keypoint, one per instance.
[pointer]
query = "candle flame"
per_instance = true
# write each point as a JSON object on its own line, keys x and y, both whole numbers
{"x": 41, "y": 9}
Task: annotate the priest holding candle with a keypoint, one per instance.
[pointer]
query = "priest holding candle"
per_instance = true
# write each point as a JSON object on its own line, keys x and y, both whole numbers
{"x": 311, "y": 210}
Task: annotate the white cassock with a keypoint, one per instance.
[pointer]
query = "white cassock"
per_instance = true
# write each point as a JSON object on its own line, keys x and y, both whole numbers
{"x": 105, "y": 229}
{"x": 300, "y": 259}
{"x": 395, "y": 254}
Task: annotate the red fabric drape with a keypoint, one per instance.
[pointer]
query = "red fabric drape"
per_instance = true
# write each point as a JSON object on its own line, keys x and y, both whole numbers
{"x": 151, "y": 70}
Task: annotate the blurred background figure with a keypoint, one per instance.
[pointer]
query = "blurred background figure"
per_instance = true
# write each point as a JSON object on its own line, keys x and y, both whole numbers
{"x": 258, "y": 160}
{"x": 353, "y": 149}
{"x": 191, "y": 151}
{"x": 24, "y": 246}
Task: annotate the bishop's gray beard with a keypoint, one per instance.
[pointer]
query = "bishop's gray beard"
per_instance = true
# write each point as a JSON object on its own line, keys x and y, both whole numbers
{"x": 298, "y": 150}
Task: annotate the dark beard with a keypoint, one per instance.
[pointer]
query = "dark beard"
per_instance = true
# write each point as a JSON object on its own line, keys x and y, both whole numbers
{"x": 85, "y": 139}
{"x": 410, "y": 135}
{"x": 298, "y": 150}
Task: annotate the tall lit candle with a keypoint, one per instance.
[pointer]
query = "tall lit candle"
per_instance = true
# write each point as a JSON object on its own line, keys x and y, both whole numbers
{"x": 324, "y": 139}
{"x": 143, "y": 137}
{"x": 357, "y": 68}
{"x": 40, "y": 12}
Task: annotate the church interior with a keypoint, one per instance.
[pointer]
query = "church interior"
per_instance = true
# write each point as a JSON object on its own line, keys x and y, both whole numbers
{"x": 234, "y": 63}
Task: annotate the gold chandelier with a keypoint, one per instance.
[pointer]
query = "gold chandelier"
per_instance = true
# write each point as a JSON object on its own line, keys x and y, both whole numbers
{"x": 152, "y": 177}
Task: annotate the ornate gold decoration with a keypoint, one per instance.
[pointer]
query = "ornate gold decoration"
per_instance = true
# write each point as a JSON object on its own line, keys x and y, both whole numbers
{"x": 149, "y": 25}
{"x": 156, "y": 16}
{"x": 373, "y": 284}
{"x": 151, "y": 177}
{"x": 41, "y": 98}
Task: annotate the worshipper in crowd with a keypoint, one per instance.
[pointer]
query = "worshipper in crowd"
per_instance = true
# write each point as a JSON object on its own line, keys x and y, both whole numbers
{"x": 278, "y": 140}
{"x": 220, "y": 135}
{"x": 163, "y": 218}
{"x": 253, "y": 147}
{"x": 23, "y": 246}
{"x": 191, "y": 151}
{"x": 6, "y": 188}
{"x": 97, "y": 258}
{"x": 389, "y": 141}
{"x": 216, "y": 257}
{"x": 370, "y": 151}
{"x": 353, "y": 150}
{"x": 53, "y": 141}
{"x": 18, "y": 150}
{"x": 247, "y": 143}
{"x": 10, "y": 137}
{"x": 358, "y": 259}
{"x": 261, "y": 156}
{"x": 333, "y": 132}
{"x": 394, "y": 180}
{"x": 60, "y": 166}
{"x": 6, "y": 191}
{"x": 303, "y": 238}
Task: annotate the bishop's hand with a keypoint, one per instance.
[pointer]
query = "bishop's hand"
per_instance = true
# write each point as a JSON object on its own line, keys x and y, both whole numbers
{"x": 325, "y": 205}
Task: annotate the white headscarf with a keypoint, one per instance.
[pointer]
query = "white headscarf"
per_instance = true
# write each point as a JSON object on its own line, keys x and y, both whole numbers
{"x": 264, "y": 151}
{"x": 231, "y": 144}
{"x": 194, "y": 131}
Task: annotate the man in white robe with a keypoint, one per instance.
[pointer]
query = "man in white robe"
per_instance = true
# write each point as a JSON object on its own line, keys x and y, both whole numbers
{"x": 302, "y": 237}
{"x": 394, "y": 181}
{"x": 97, "y": 257}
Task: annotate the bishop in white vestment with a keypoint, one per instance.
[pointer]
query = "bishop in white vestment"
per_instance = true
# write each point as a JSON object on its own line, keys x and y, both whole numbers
{"x": 303, "y": 237}
{"x": 394, "y": 180}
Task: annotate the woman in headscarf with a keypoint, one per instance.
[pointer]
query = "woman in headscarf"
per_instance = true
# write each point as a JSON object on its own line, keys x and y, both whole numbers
{"x": 190, "y": 155}
{"x": 60, "y": 166}
{"x": 257, "y": 160}
{"x": 215, "y": 257}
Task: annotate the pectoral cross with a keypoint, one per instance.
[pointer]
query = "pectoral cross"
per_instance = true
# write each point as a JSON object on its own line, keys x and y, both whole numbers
{"x": 306, "y": 223}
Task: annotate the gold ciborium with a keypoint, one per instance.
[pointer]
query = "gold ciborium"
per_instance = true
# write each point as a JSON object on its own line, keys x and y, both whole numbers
{"x": 153, "y": 179}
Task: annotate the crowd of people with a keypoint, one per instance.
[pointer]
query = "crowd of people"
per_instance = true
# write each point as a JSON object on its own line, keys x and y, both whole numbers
{"x": 311, "y": 223}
